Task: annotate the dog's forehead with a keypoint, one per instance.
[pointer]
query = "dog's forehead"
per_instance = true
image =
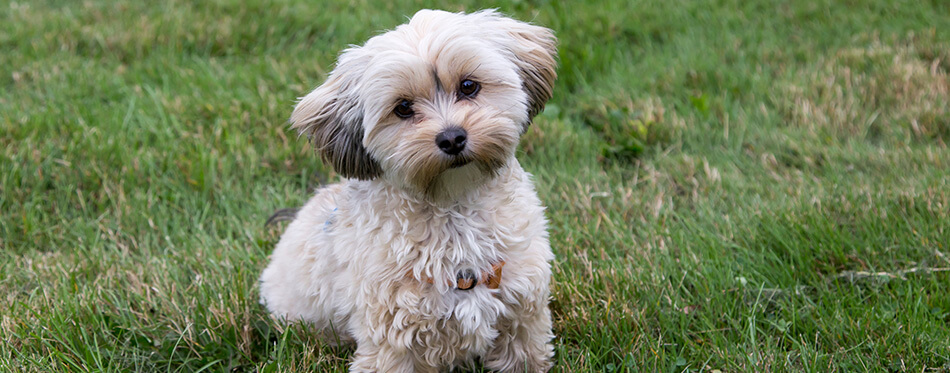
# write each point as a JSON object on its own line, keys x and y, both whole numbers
{"x": 435, "y": 48}
{"x": 433, "y": 22}
{"x": 425, "y": 60}
{"x": 431, "y": 35}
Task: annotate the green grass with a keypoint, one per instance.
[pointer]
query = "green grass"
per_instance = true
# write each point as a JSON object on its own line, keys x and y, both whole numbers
{"x": 713, "y": 171}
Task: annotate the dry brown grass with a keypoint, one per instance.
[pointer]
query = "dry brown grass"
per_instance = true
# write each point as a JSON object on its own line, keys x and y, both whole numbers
{"x": 873, "y": 91}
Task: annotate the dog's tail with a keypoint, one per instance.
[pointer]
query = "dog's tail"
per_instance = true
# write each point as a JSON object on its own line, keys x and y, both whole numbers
{"x": 289, "y": 213}
{"x": 285, "y": 214}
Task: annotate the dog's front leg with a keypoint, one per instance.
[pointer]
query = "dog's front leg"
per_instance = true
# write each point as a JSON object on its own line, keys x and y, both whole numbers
{"x": 523, "y": 345}
{"x": 524, "y": 340}
{"x": 387, "y": 330}
{"x": 372, "y": 357}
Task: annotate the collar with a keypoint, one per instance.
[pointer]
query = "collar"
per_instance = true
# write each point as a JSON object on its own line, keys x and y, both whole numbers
{"x": 466, "y": 279}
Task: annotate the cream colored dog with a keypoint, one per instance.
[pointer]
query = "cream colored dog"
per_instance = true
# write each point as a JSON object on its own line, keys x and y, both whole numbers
{"x": 433, "y": 252}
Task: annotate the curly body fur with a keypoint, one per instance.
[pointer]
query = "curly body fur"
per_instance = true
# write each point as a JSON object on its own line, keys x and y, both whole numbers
{"x": 354, "y": 260}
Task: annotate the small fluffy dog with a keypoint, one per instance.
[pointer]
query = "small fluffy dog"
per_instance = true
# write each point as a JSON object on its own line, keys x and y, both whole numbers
{"x": 434, "y": 251}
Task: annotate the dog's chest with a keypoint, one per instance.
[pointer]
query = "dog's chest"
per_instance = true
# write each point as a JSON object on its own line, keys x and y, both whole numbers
{"x": 435, "y": 243}
{"x": 415, "y": 256}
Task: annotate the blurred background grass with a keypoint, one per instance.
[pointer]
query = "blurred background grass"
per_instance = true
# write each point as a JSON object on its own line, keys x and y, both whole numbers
{"x": 732, "y": 185}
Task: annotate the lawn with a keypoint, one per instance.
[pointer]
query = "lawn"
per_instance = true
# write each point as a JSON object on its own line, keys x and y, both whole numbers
{"x": 731, "y": 185}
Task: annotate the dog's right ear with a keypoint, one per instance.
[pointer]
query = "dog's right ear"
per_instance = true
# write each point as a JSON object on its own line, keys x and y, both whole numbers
{"x": 331, "y": 117}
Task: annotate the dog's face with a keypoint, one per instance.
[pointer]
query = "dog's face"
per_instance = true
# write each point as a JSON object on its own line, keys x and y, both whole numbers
{"x": 441, "y": 100}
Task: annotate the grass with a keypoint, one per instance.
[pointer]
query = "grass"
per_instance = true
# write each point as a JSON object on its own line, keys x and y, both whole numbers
{"x": 723, "y": 181}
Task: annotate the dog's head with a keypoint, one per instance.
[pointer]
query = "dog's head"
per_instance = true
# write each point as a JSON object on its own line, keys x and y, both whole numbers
{"x": 446, "y": 93}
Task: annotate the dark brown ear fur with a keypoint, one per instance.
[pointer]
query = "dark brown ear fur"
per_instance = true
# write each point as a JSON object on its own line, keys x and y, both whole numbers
{"x": 332, "y": 119}
{"x": 538, "y": 67}
{"x": 534, "y": 51}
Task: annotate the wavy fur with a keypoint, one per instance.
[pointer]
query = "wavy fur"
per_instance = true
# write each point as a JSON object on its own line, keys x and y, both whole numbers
{"x": 355, "y": 259}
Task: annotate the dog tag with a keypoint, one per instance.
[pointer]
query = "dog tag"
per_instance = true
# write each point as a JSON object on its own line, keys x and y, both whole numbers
{"x": 466, "y": 280}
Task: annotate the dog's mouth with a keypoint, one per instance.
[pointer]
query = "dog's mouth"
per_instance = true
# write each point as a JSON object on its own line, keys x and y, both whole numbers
{"x": 459, "y": 162}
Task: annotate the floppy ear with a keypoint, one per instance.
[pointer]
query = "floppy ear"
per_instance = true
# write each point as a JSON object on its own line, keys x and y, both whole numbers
{"x": 534, "y": 52}
{"x": 332, "y": 119}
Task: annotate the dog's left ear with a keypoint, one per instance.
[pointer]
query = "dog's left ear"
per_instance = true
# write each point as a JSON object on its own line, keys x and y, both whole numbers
{"x": 534, "y": 50}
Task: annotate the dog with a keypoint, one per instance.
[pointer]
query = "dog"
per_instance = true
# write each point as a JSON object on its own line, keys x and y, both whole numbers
{"x": 433, "y": 252}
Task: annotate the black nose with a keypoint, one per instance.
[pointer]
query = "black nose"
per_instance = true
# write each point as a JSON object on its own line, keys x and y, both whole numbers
{"x": 452, "y": 140}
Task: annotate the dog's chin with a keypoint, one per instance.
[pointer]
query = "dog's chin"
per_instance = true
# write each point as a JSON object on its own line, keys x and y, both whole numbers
{"x": 458, "y": 179}
{"x": 438, "y": 177}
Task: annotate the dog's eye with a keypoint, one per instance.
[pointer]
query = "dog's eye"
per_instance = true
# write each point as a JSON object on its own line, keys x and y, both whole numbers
{"x": 404, "y": 109}
{"x": 468, "y": 88}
